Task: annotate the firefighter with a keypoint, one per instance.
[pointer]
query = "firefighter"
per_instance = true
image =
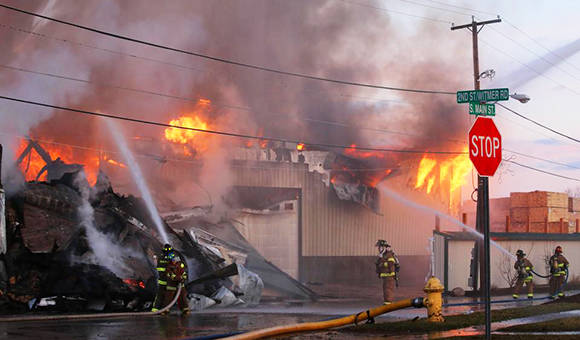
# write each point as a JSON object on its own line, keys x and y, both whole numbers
{"x": 177, "y": 274}
{"x": 163, "y": 297}
{"x": 387, "y": 268}
{"x": 558, "y": 267}
{"x": 524, "y": 268}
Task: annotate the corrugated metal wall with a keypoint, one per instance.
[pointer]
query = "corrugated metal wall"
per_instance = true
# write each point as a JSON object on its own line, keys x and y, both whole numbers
{"x": 331, "y": 227}
{"x": 459, "y": 259}
{"x": 275, "y": 236}
{"x": 439, "y": 251}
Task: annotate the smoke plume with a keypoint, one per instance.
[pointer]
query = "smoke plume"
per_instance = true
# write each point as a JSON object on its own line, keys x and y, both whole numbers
{"x": 324, "y": 38}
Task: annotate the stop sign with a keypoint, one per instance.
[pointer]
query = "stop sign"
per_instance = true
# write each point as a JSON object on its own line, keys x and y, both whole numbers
{"x": 485, "y": 146}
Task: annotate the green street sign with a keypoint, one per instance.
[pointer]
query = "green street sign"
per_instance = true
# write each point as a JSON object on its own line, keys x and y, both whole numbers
{"x": 489, "y": 95}
{"x": 481, "y": 109}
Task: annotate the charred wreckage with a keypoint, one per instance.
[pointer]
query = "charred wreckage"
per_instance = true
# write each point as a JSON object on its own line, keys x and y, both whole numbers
{"x": 52, "y": 257}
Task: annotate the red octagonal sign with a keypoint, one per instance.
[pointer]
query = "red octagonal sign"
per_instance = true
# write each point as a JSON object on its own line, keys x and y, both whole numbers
{"x": 485, "y": 146}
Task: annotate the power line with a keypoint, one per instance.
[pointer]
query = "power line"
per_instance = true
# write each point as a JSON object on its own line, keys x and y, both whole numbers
{"x": 229, "y": 134}
{"x": 433, "y": 7}
{"x": 542, "y": 159}
{"x": 535, "y": 54}
{"x": 540, "y": 133}
{"x": 288, "y": 116}
{"x": 542, "y": 171}
{"x": 528, "y": 67}
{"x": 537, "y": 42}
{"x": 395, "y": 12}
{"x": 463, "y": 8}
{"x": 160, "y": 158}
{"x": 226, "y": 61}
{"x": 538, "y": 124}
{"x": 131, "y": 55}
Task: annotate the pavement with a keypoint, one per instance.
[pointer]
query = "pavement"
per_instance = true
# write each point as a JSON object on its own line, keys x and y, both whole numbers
{"x": 334, "y": 303}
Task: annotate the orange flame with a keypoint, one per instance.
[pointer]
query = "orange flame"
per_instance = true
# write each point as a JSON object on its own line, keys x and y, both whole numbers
{"x": 192, "y": 140}
{"x": 114, "y": 162}
{"x": 425, "y": 167}
{"x": 32, "y": 164}
{"x": 453, "y": 170}
{"x": 355, "y": 153}
{"x": 300, "y": 146}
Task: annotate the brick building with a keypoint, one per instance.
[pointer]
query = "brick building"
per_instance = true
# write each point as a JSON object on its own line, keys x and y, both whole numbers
{"x": 531, "y": 212}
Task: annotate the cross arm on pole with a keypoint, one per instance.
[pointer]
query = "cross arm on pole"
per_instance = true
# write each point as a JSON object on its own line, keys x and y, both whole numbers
{"x": 482, "y": 23}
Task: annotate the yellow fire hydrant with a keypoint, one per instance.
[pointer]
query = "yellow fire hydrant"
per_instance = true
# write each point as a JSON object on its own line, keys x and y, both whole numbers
{"x": 434, "y": 300}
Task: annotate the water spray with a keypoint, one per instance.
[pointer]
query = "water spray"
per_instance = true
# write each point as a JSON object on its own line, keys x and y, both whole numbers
{"x": 138, "y": 177}
{"x": 418, "y": 206}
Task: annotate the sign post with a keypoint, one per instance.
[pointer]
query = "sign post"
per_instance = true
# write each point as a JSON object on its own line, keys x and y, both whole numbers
{"x": 482, "y": 222}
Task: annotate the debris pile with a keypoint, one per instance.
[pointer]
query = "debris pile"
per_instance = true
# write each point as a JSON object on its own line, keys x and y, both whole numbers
{"x": 68, "y": 251}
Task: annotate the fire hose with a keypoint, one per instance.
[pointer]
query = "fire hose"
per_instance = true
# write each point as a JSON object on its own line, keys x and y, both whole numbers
{"x": 510, "y": 301}
{"x": 91, "y": 316}
{"x": 333, "y": 323}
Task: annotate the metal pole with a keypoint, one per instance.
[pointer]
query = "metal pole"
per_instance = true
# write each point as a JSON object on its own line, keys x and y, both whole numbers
{"x": 482, "y": 221}
{"x": 483, "y": 205}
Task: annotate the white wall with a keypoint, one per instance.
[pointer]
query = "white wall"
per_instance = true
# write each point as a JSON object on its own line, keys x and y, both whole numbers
{"x": 460, "y": 255}
{"x": 274, "y": 235}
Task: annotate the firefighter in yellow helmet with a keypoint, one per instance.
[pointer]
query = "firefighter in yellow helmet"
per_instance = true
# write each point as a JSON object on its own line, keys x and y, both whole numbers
{"x": 387, "y": 268}
{"x": 558, "y": 268}
{"x": 171, "y": 272}
{"x": 524, "y": 268}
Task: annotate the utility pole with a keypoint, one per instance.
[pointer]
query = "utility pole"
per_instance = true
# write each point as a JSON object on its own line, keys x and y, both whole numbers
{"x": 482, "y": 221}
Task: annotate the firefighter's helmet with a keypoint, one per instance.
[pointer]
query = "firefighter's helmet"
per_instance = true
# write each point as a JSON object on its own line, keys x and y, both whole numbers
{"x": 382, "y": 243}
{"x": 167, "y": 249}
{"x": 558, "y": 250}
{"x": 520, "y": 253}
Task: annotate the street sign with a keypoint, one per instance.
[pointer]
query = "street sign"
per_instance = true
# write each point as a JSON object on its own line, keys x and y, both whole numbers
{"x": 481, "y": 109}
{"x": 480, "y": 96}
{"x": 485, "y": 146}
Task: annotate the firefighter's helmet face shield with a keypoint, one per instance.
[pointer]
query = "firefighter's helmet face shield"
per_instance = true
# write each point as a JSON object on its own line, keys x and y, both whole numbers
{"x": 171, "y": 255}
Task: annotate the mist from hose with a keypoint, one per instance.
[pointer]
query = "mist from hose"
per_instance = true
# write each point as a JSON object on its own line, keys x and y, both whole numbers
{"x": 418, "y": 206}
{"x": 138, "y": 178}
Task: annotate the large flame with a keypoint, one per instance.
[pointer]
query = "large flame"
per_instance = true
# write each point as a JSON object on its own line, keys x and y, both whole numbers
{"x": 191, "y": 142}
{"x": 425, "y": 167}
{"x": 32, "y": 164}
{"x": 452, "y": 170}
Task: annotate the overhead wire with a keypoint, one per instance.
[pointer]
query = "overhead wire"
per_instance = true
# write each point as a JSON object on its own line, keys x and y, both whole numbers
{"x": 514, "y": 41}
{"x": 534, "y": 53}
{"x": 540, "y": 44}
{"x": 463, "y": 8}
{"x": 542, "y": 171}
{"x": 542, "y": 159}
{"x": 177, "y": 160}
{"x": 235, "y": 107}
{"x": 226, "y": 61}
{"x": 135, "y": 56}
{"x": 228, "y": 134}
{"x": 393, "y": 11}
{"x": 539, "y": 124}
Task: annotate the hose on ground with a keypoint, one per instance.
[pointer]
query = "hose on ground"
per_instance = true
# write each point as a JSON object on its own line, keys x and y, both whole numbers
{"x": 477, "y": 303}
{"x": 91, "y": 316}
{"x": 322, "y": 325}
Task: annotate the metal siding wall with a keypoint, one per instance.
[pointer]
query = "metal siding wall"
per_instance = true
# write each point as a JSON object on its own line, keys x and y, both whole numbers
{"x": 459, "y": 261}
{"x": 331, "y": 227}
{"x": 439, "y": 250}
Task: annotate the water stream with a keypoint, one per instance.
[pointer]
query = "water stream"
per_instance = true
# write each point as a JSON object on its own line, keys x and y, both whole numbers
{"x": 418, "y": 206}
{"x": 138, "y": 177}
